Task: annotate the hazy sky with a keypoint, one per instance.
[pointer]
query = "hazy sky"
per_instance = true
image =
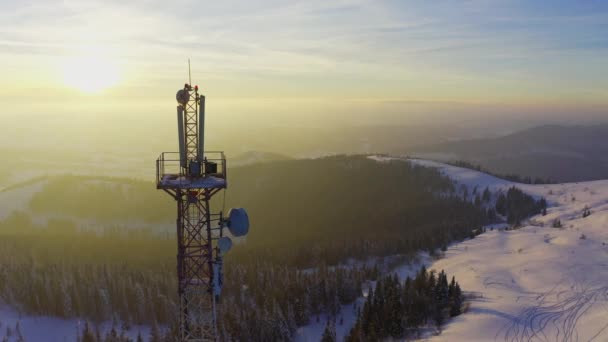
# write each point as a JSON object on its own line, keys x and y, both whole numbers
{"x": 534, "y": 56}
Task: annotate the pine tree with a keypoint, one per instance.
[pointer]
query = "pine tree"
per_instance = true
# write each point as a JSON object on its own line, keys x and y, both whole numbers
{"x": 486, "y": 195}
{"x": 112, "y": 335}
{"x": 98, "y": 334}
{"x": 18, "y": 332}
{"x": 442, "y": 290}
{"x": 586, "y": 212}
{"x": 355, "y": 334}
{"x": 542, "y": 203}
{"x": 456, "y": 301}
{"x": 465, "y": 193}
{"x": 155, "y": 335}
{"x": 501, "y": 205}
{"x": 20, "y": 338}
{"x": 291, "y": 321}
{"x": 329, "y": 335}
{"x": 451, "y": 287}
{"x": 477, "y": 201}
{"x": 123, "y": 336}
{"x": 87, "y": 333}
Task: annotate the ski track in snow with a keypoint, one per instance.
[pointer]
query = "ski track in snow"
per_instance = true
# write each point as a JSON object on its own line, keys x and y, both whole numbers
{"x": 562, "y": 310}
{"x": 536, "y": 283}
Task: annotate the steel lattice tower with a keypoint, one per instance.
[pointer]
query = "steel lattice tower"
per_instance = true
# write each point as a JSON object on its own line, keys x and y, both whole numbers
{"x": 192, "y": 177}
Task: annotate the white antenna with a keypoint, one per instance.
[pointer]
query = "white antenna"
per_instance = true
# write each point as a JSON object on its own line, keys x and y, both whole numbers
{"x": 189, "y": 73}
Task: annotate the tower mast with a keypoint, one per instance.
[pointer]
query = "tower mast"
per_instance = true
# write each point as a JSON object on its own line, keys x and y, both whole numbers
{"x": 192, "y": 177}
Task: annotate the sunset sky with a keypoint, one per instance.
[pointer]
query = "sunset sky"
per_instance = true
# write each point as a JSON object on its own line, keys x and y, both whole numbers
{"x": 541, "y": 54}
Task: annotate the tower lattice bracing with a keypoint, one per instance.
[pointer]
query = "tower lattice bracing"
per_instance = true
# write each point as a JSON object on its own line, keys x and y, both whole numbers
{"x": 192, "y": 177}
{"x": 191, "y": 126}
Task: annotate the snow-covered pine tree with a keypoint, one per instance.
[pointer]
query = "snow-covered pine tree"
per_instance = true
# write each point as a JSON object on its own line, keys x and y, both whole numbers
{"x": 329, "y": 334}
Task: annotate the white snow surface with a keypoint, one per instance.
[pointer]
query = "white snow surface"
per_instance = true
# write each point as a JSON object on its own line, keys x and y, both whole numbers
{"x": 536, "y": 283}
{"x": 53, "y": 329}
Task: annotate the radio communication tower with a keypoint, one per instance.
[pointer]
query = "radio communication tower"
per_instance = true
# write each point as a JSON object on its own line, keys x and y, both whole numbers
{"x": 192, "y": 177}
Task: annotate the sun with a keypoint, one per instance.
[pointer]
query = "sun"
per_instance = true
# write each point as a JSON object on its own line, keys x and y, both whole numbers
{"x": 90, "y": 73}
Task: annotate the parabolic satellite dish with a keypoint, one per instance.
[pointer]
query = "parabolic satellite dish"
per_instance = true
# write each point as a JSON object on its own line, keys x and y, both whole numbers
{"x": 238, "y": 222}
{"x": 224, "y": 244}
{"x": 182, "y": 96}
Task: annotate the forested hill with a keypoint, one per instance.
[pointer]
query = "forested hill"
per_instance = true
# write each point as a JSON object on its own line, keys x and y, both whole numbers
{"x": 304, "y": 213}
{"x": 335, "y": 207}
{"x": 301, "y": 210}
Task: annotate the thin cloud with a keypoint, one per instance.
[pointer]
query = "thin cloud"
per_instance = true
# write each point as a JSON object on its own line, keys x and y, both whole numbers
{"x": 401, "y": 45}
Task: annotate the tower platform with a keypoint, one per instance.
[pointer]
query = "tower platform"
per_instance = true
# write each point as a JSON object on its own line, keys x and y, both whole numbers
{"x": 183, "y": 182}
{"x": 171, "y": 175}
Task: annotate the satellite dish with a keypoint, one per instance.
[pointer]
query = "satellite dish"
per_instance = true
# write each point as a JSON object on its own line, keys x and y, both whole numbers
{"x": 238, "y": 222}
{"x": 224, "y": 244}
{"x": 182, "y": 96}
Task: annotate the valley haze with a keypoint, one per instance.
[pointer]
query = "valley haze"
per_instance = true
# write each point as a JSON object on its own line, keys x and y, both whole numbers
{"x": 409, "y": 170}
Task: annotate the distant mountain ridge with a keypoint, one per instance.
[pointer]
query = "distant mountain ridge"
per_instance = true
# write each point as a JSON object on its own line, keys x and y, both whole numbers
{"x": 561, "y": 153}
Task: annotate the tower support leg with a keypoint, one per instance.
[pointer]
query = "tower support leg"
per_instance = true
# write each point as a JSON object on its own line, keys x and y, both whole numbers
{"x": 197, "y": 317}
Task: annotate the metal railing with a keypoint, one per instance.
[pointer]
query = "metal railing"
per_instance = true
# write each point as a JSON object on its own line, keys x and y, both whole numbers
{"x": 168, "y": 164}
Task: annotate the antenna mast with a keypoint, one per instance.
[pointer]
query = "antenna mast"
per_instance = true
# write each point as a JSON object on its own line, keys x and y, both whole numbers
{"x": 192, "y": 177}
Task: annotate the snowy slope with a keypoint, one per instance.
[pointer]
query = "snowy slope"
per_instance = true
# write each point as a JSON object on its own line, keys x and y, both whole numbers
{"x": 537, "y": 283}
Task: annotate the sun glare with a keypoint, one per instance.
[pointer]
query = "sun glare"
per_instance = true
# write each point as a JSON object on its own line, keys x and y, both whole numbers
{"x": 90, "y": 73}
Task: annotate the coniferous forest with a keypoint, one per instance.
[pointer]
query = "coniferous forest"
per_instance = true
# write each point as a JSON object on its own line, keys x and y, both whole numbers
{"x": 516, "y": 205}
{"x": 308, "y": 217}
{"x": 397, "y": 310}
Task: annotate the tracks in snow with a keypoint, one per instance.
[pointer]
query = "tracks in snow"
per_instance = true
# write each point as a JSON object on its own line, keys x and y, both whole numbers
{"x": 556, "y": 316}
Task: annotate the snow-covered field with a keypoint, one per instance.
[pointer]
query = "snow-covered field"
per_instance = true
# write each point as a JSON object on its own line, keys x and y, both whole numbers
{"x": 536, "y": 283}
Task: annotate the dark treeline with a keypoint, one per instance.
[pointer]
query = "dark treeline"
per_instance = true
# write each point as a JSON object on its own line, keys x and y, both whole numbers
{"x": 56, "y": 270}
{"x": 273, "y": 302}
{"x": 511, "y": 177}
{"x": 516, "y": 205}
{"x": 398, "y": 309}
{"x": 130, "y": 278}
{"x": 103, "y": 199}
{"x": 304, "y": 214}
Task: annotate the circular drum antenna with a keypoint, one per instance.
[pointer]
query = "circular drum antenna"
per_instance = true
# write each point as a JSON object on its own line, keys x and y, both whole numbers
{"x": 182, "y": 96}
{"x": 238, "y": 222}
{"x": 224, "y": 244}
